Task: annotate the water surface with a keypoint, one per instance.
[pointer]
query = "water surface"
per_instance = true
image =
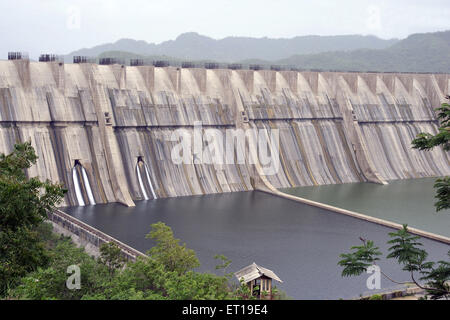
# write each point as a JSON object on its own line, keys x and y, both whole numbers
{"x": 402, "y": 201}
{"x": 300, "y": 243}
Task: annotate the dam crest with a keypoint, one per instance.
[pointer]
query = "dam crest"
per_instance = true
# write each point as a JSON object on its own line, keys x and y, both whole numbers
{"x": 104, "y": 130}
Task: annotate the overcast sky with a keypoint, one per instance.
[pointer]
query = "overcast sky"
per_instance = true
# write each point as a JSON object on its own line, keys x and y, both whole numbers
{"x": 61, "y": 26}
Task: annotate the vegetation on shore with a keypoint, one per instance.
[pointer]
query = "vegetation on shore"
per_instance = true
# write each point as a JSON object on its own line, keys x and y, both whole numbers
{"x": 167, "y": 273}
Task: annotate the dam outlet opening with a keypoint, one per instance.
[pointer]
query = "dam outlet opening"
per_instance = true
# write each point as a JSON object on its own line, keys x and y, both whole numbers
{"x": 145, "y": 182}
{"x": 82, "y": 185}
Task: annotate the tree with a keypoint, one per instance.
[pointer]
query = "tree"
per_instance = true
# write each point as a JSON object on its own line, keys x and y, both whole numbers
{"x": 24, "y": 203}
{"x": 357, "y": 262}
{"x": 111, "y": 256}
{"x": 427, "y": 141}
{"x": 168, "y": 251}
{"x": 408, "y": 252}
{"x": 49, "y": 282}
{"x": 153, "y": 277}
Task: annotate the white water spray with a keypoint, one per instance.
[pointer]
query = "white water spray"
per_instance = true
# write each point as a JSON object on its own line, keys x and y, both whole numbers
{"x": 88, "y": 186}
{"x": 141, "y": 184}
{"x": 149, "y": 181}
{"x": 77, "y": 187}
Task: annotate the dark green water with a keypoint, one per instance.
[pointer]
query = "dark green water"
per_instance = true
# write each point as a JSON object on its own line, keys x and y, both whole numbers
{"x": 401, "y": 201}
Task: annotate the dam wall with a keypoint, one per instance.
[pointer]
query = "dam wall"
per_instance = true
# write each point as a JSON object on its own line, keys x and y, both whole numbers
{"x": 107, "y": 131}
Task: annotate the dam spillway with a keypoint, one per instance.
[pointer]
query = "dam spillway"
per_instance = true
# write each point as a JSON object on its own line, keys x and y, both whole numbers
{"x": 116, "y": 123}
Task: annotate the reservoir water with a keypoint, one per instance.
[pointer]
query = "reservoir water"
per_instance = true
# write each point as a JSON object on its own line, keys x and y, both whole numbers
{"x": 300, "y": 243}
{"x": 402, "y": 201}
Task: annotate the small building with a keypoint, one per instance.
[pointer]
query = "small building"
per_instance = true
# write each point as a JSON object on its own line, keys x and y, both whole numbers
{"x": 258, "y": 279}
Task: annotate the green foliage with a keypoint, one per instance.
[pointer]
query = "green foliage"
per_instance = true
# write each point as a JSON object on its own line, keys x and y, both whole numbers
{"x": 21, "y": 252}
{"x": 225, "y": 261}
{"x": 24, "y": 251}
{"x": 224, "y": 265}
{"x": 243, "y": 292}
{"x": 426, "y": 141}
{"x": 442, "y": 187}
{"x": 376, "y": 297}
{"x": 196, "y": 286}
{"x": 168, "y": 251}
{"x": 24, "y": 203}
{"x": 50, "y": 282}
{"x": 148, "y": 279}
{"x": 111, "y": 256}
{"x": 438, "y": 279}
{"x": 408, "y": 252}
{"x": 357, "y": 262}
{"x": 278, "y": 294}
{"x": 151, "y": 277}
{"x": 141, "y": 280}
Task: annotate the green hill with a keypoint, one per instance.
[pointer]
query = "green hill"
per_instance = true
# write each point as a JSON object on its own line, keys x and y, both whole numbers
{"x": 194, "y": 46}
{"x": 427, "y": 52}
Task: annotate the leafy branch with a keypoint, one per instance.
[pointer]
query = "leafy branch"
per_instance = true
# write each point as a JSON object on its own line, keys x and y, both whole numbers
{"x": 408, "y": 252}
{"x": 427, "y": 141}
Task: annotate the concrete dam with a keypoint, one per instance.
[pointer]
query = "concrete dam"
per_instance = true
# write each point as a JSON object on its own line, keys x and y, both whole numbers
{"x": 104, "y": 131}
